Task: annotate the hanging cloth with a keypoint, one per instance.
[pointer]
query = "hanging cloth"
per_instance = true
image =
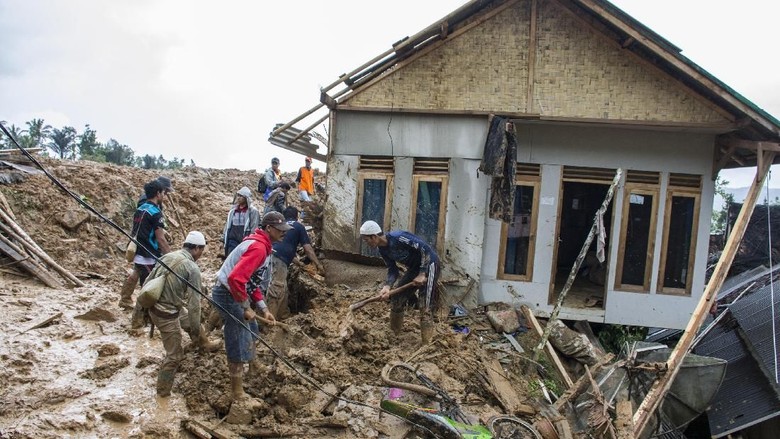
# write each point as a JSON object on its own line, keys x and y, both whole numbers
{"x": 499, "y": 160}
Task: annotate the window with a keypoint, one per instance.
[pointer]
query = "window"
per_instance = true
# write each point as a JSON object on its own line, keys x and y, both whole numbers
{"x": 637, "y": 231}
{"x": 375, "y": 189}
{"x": 516, "y": 253}
{"x": 429, "y": 198}
{"x": 680, "y": 228}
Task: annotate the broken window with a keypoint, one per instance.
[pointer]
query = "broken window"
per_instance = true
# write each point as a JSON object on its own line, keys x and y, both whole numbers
{"x": 637, "y": 232}
{"x": 429, "y": 198}
{"x": 680, "y": 229}
{"x": 518, "y": 237}
{"x": 375, "y": 186}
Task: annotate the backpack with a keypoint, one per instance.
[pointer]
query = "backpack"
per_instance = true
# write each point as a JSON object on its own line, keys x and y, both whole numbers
{"x": 261, "y": 186}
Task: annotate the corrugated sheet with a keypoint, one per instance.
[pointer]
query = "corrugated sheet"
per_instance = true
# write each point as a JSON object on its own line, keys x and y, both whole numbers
{"x": 741, "y": 280}
{"x": 755, "y": 318}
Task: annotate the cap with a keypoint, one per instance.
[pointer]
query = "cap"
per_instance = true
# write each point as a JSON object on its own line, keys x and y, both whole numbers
{"x": 370, "y": 228}
{"x": 308, "y": 159}
{"x": 166, "y": 183}
{"x": 195, "y": 238}
{"x": 275, "y": 160}
{"x": 276, "y": 220}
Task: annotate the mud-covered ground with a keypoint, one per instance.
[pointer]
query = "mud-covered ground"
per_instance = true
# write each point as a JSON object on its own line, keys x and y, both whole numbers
{"x": 85, "y": 375}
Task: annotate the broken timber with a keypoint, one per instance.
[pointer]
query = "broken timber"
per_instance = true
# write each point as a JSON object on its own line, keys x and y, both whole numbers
{"x": 502, "y": 389}
{"x": 578, "y": 262}
{"x": 548, "y": 347}
{"x": 43, "y": 323}
{"x": 657, "y": 392}
{"x": 28, "y": 264}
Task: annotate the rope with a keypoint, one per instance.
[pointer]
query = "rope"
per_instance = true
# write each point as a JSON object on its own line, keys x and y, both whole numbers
{"x": 243, "y": 325}
{"x": 771, "y": 278}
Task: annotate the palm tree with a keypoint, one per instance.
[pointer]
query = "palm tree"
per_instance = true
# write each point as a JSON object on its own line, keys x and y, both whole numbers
{"x": 37, "y": 132}
{"x": 62, "y": 141}
{"x": 17, "y": 133}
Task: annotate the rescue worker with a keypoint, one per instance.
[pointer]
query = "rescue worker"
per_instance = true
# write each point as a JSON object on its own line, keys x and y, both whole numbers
{"x": 277, "y": 200}
{"x": 422, "y": 269}
{"x": 284, "y": 253}
{"x": 242, "y": 219}
{"x": 149, "y": 230}
{"x": 305, "y": 180}
{"x": 272, "y": 178}
{"x": 238, "y": 291}
{"x": 179, "y": 307}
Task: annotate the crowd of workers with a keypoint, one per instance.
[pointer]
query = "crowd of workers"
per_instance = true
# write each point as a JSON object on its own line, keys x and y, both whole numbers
{"x": 251, "y": 285}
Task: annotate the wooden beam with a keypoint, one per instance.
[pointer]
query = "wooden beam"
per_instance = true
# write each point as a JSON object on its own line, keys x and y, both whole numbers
{"x": 529, "y": 316}
{"x": 726, "y": 156}
{"x": 26, "y": 263}
{"x": 532, "y": 46}
{"x": 752, "y": 145}
{"x": 657, "y": 392}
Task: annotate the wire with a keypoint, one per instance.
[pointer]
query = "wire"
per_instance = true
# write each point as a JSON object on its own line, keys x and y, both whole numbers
{"x": 243, "y": 325}
{"x": 771, "y": 278}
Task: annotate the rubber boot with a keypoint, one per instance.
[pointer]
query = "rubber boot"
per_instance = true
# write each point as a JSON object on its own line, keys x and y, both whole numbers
{"x": 396, "y": 321}
{"x": 204, "y": 344}
{"x": 426, "y": 330}
{"x": 126, "y": 293}
{"x": 165, "y": 382}
{"x": 214, "y": 321}
{"x": 237, "y": 381}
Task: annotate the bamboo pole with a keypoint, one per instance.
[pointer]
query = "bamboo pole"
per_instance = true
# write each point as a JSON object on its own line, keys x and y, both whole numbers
{"x": 29, "y": 264}
{"x": 35, "y": 250}
{"x": 657, "y": 392}
{"x": 577, "y": 263}
{"x": 18, "y": 229}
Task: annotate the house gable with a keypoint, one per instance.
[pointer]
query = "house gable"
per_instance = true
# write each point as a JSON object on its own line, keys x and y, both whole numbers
{"x": 575, "y": 73}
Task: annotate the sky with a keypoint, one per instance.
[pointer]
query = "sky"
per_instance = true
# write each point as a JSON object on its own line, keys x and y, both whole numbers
{"x": 208, "y": 80}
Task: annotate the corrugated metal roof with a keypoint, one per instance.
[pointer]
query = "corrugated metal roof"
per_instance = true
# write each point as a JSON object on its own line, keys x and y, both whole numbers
{"x": 754, "y": 314}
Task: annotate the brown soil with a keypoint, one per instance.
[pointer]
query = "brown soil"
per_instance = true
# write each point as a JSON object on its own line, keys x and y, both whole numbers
{"x": 90, "y": 377}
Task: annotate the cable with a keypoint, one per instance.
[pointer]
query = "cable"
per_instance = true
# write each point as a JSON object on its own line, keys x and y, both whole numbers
{"x": 201, "y": 293}
{"x": 771, "y": 278}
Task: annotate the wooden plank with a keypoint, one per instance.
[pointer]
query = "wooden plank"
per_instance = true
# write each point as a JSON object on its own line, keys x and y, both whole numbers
{"x": 214, "y": 430}
{"x": 567, "y": 381}
{"x": 43, "y": 322}
{"x": 26, "y": 263}
{"x": 582, "y": 383}
{"x": 532, "y": 46}
{"x": 503, "y": 391}
{"x": 657, "y": 392}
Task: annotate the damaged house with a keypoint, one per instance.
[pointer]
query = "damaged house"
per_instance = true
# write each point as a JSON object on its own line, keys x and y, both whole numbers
{"x": 586, "y": 91}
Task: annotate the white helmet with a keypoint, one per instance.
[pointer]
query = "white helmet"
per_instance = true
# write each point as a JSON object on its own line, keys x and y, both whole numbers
{"x": 370, "y": 228}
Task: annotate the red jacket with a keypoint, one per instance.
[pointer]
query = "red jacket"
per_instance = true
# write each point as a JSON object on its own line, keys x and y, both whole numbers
{"x": 248, "y": 257}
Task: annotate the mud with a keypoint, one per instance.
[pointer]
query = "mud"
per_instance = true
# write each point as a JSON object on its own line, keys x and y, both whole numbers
{"x": 85, "y": 375}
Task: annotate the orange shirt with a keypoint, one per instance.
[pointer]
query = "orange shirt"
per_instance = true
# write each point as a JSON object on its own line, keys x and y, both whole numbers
{"x": 306, "y": 180}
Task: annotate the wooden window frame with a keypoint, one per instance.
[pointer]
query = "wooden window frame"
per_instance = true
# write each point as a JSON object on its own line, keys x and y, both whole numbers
{"x": 373, "y": 175}
{"x": 628, "y": 190}
{"x": 670, "y": 194}
{"x": 535, "y": 183}
{"x": 444, "y": 179}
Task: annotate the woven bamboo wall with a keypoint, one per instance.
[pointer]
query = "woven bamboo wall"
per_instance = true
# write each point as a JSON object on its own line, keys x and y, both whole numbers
{"x": 581, "y": 74}
{"x": 578, "y": 74}
{"x": 485, "y": 68}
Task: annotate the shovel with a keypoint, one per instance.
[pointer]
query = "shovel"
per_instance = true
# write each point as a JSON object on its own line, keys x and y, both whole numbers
{"x": 345, "y": 328}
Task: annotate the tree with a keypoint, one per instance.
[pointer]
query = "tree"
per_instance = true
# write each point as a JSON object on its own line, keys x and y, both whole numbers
{"x": 17, "y": 134}
{"x": 62, "y": 141}
{"x": 38, "y": 132}
{"x": 119, "y": 154}
{"x": 88, "y": 144}
{"x": 718, "y": 222}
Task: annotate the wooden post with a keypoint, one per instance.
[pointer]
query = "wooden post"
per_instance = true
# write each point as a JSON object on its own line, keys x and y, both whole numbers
{"x": 657, "y": 392}
{"x": 11, "y": 250}
{"x": 548, "y": 347}
{"x": 178, "y": 218}
{"x": 577, "y": 263}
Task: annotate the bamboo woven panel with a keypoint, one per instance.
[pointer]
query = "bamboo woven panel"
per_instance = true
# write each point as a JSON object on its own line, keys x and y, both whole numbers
{"x": 581, "y": 74}
{"x": 484, "y": 69}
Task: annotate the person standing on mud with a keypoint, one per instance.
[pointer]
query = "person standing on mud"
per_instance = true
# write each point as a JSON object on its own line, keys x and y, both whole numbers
{"x": 179, "y": 307}
{"x": 422, "y": 269}
{"x": 284, "y": 253}
{"x": 238, "y": 291}
{"x": 242, "y": 219}
{"x": 272, "y": 178}
{"x": 167, "y": 189}
{"x": 148, "y": 228}
{"x": 277, "y": 201}
{"x": 305, "y": 180}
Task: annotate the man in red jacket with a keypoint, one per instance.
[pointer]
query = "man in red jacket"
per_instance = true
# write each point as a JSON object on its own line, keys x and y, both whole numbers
{"x": 239, "y": 291}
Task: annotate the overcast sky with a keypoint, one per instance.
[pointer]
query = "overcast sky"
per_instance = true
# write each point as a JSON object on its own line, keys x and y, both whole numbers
{"x": 208, "y": 80}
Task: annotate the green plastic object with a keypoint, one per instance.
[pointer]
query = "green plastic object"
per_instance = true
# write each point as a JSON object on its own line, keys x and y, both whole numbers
{"x": 440, "y": 425}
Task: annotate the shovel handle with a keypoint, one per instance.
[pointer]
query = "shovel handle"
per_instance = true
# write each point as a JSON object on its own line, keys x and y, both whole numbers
{"x": 267, "y": 322}
{"x": 364, "y": 302}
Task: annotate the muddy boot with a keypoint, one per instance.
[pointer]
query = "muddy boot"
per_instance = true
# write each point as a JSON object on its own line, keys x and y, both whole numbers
{"x": 426, "y": 330}
{"x": 396, "y": 321}
{"x": 126, "y": 293}
{"x": 204, "y": 344}
{"x": 164, "y": 382}
{"x": 138, "y": 320}
{"x": 237, "y": 382}
{"x": 214, "y": 321}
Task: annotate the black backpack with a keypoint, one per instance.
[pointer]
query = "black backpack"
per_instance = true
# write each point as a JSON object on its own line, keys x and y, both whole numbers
{"x": 261, "y": 186}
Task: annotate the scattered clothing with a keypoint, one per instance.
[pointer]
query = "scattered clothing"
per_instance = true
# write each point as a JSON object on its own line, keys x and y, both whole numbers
{"x": 499, "y": 160}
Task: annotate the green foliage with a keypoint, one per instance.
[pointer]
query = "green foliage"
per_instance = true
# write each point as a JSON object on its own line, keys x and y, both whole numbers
{"x": 535, "y": 388}
{"x": 88, "y": 145}
{"x": 151, "y": 162}
{"x": 615, "y": 337}
{"x": 719, "y": 218}
{"x": 63, "y": 142}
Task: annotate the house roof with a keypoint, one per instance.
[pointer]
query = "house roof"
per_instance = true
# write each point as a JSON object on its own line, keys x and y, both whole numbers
{"x": 749, "y": 393}
{"x": 751, "y": 122}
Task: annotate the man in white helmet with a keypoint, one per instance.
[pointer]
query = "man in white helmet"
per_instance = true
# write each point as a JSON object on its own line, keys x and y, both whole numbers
{"x": 422, "y": 268}
{"x": 179, "y": 307}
